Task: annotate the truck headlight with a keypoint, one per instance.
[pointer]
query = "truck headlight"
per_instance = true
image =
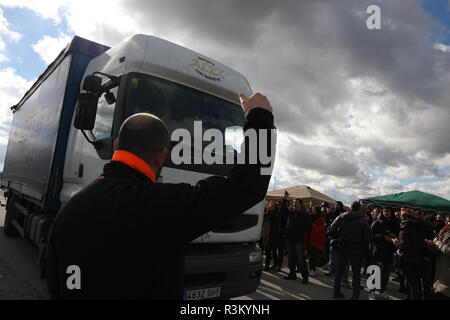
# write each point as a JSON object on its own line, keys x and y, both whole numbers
{"x": 255, "y": 256}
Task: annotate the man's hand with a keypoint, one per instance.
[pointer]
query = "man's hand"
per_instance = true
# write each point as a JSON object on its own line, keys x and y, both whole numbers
{"x": 257, "y": 100}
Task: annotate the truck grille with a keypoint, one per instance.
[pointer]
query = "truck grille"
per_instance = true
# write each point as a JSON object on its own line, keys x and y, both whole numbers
{"x": 204, "y": 279}
{"x": 239, "y": 223}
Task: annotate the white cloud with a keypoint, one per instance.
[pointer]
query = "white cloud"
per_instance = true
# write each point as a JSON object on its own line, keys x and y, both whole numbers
{"x": 6, "y": 32}
{"x": 442, "y": 47}
{"x": 12, "y": 88}
{"x": 5, "y": 29}
{"x": 3, "y": 58}
{"x": 47, "y": 9}
{"x": 101, "y": 21}
{"x": 48, "y": 48}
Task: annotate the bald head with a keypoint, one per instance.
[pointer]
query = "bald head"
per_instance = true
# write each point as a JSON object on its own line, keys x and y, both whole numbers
{"x": 144, "y": 135}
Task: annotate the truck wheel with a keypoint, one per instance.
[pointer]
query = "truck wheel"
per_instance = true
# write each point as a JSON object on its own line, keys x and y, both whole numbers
{"x": 8, "y": 228}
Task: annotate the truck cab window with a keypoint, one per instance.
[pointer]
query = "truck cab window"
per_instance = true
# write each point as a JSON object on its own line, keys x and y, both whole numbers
{"x": 104, "y": 118}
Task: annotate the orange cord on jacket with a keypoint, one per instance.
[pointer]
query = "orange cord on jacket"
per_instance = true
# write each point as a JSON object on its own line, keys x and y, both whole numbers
{"x": 134, "y": 162}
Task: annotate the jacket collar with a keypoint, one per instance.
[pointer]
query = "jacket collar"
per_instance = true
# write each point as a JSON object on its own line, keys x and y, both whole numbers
{"x": 134, "y": 162}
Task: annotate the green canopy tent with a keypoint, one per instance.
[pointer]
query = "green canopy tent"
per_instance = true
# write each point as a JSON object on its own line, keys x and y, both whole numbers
{"x": 411, "y": 199}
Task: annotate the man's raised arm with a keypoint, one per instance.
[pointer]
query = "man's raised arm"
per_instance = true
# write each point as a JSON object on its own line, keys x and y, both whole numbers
{"x": 214, "y": 200}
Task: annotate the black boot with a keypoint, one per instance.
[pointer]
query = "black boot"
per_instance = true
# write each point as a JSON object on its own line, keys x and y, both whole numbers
{"x": 290, "y": 276}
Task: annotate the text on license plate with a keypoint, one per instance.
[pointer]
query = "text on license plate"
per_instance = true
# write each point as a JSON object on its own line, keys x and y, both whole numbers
{"x": 199, "y": 294}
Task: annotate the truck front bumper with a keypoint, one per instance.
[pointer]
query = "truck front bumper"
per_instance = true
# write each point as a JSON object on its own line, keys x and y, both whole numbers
{"x": 222, "y": 265}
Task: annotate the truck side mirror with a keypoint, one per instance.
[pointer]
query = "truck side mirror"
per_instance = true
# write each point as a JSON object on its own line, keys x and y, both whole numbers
{"x": 92, "y": 84}
{"x": 86, "y": 111}
{"x": 110, "y": 98}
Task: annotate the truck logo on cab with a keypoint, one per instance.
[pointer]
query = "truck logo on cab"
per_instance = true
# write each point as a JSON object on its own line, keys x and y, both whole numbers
{"x": 207, "y": 69}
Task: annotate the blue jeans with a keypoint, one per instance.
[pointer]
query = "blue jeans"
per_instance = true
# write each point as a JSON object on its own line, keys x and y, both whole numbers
{"x": 326, "y": 251}
{"x": 346, "y": 270}
{"x": 296, "y": 256}
{"x": 333, "y": 259}
{"x": 333, "y": 264}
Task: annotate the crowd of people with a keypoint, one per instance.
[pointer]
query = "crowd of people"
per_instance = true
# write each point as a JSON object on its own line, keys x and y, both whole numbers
{"x": 405, "y": 243}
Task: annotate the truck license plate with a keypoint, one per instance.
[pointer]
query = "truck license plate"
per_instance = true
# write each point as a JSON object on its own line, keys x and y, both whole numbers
{"x": 202, "y": 294}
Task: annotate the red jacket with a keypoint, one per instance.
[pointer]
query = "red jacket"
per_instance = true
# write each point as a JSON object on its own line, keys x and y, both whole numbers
{"x": 317, "y": 235}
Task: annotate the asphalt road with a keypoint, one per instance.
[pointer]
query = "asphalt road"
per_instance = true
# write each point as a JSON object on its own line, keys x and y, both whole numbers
{"x": 20, "y": 278}
{"x": 19, "y": 272}
{"x": 320, "y": 287}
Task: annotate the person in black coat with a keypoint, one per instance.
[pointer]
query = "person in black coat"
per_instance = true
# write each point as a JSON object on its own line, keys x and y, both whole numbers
{"x": 410, "y": 244}
{"x": 367, "y": 258}
{"x": 429, "y": 257}
{"x": 353, "y": 234}
{"x": 329, "y": 254}
{"x": 299, "y": 225}
{"x": 274, "y": 246}
{"x": 440, "y": 222}
{"x": 384, "y": 232}
{"x": 124, "y": 235}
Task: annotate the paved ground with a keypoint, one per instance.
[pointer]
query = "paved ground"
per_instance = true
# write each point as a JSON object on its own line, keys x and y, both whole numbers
{"x": 320, "y": 287}
{"x": 19, "y": 277}
{"x": 19, "y": 272}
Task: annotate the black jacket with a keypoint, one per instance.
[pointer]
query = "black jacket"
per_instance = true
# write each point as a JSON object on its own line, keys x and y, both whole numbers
{"x": 411, "y": 241}
{"x": 128, "y": 234}
{"x": 383, "y": 250}
{"x": 275, "y": 227}
{"x": 428, "y": 233}
{"x": 298, "y": 225}
{"x": 352, "y": 230}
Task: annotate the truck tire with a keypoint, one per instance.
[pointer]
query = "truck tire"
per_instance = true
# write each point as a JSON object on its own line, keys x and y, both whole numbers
{"x": 27, "y": 224}
{"x": 33, "y": 226}
{"x": 43, "y": 228}
{"x": 8, "y": 228}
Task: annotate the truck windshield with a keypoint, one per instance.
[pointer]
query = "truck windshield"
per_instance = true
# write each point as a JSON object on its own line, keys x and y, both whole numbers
{"x": 179, "y": 106}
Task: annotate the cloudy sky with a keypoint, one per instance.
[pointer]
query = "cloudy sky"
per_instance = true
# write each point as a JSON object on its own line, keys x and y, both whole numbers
{"x": 360, "y": 112}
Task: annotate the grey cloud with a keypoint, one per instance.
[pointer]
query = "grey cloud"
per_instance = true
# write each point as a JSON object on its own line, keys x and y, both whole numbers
{"x": 329, "y": 39}
{"x": 327, "y": 161}
{"x": 389, "y": 156}
{"x": 230, "y": 22}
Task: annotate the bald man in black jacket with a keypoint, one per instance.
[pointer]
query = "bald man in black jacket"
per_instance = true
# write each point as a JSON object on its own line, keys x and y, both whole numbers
{"x": 113, "y": 229}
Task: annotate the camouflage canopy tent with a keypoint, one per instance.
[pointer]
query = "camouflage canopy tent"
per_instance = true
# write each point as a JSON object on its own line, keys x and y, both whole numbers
{"x": 302, "y": 192}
